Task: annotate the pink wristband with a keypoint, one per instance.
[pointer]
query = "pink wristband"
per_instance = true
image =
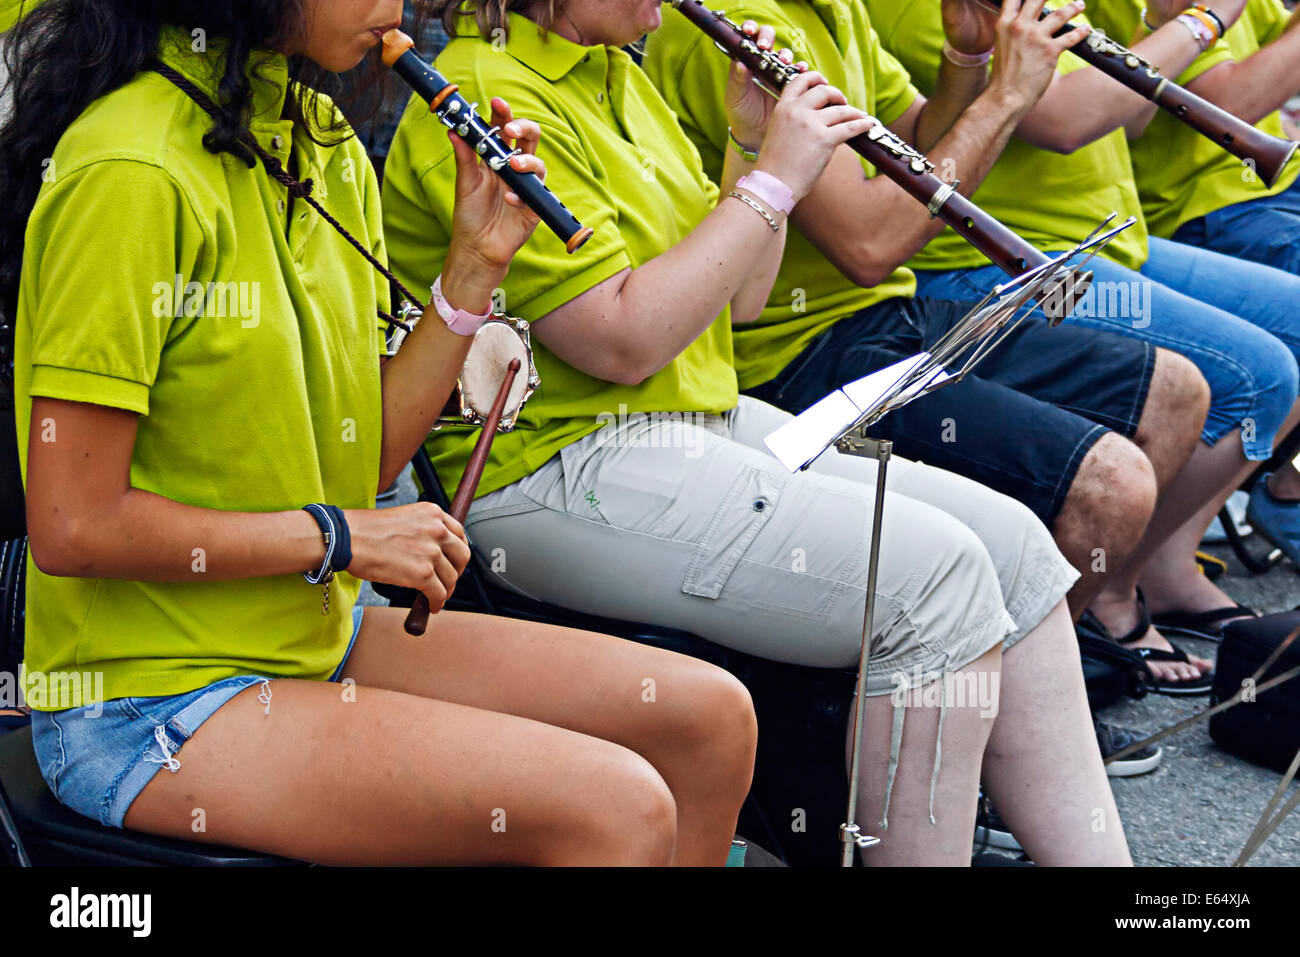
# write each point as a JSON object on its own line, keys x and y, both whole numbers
{"x": 958, "y": 58}
{"x": 769, "y": 189}
{"x": 458, "y": 320}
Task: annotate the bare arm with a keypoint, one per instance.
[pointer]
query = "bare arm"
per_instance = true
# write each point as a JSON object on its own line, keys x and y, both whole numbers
{"x": 489, "y": 224}
{"x": 86, "y": 520}
{"x": 1085, "y": 105}
{"x": 1257, "y": 86}
{"x": 633, "y": 324}
{"x": 843, "y": 212}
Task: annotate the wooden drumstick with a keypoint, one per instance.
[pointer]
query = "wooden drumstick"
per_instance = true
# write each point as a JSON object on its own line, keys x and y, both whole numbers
{"x": 417, "y": 620}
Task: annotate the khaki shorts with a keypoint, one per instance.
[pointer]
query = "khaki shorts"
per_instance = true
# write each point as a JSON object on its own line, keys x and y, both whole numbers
{"x": 687, "y": 521}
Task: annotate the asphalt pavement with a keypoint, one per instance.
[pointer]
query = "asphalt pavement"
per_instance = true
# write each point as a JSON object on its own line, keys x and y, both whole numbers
{"x": 1200, "y": 805}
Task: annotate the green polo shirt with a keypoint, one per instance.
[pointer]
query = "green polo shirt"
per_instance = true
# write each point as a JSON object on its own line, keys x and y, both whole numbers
{"x": 257, "y": 386}
{"x": 835, "y": 37}
{"x": 617, "y": 158}
{"x": 1181, "y": 174}
{"x": 11, "y": 11}
{"x": 1050, "y": 200}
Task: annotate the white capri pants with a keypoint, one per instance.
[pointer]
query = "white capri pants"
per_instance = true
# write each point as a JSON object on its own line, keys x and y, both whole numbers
{"x": 687, "y": 521}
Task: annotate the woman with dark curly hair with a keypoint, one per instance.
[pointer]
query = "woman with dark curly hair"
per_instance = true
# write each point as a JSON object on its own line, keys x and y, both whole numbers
{"x": 204, "y": 419}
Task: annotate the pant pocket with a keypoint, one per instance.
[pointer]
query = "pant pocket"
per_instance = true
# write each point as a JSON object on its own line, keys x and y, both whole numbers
{"x": 746, "y": 508}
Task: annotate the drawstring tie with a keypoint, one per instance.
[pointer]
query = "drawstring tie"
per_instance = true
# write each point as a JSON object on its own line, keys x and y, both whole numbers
{"x": 168, "y": 759}
{"x": 896, "y": 738}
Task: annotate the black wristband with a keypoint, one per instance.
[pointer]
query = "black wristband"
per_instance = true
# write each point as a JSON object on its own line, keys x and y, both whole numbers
{"x": 338, "y": 541}
{"x": 343, "y": 544}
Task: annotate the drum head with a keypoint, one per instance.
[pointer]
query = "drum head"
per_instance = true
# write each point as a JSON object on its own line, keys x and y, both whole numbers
{"x": 495, "y": 344}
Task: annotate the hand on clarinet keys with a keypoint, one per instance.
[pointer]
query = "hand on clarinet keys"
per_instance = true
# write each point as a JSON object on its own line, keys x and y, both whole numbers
{"x": 413, "y": 546}
{"x": 1026, "y": 52}
{"x": 811, "y": 119}
{"x": 749, "y": 107}
{"x": 490, "y": 221}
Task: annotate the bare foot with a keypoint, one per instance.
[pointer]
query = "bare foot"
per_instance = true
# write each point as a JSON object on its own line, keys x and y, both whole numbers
{"x": 1121, "y": 616}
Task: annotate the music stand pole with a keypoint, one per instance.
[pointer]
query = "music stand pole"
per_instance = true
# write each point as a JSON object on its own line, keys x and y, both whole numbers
{"x": 879, "y": 449}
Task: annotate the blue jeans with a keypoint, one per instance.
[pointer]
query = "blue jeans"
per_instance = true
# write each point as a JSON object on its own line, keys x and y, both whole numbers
{"x": 1236, "y": 320}
{"x": 1264, "y": 230}
{"x": 97, "y": 759}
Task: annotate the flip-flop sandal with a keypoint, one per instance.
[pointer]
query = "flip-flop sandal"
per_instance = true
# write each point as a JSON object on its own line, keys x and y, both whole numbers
{"x": 1206, "y": 625}
{"x": 1193, "y": 686}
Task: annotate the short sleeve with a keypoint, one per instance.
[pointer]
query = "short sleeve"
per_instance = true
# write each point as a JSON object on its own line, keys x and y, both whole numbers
{"x": 1214, "y": 56}
{"x": 543, "y": 275}
{"x": 895, "y": 92}
{"x": 108, "y": 250}
{"x": 1272, "y": 18}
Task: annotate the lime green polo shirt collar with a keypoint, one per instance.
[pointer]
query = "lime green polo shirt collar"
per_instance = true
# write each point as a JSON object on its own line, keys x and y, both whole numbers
{"x": 833, "y": 14}
{"x": 551, "y": 56}
{"x": 268, "y": 70}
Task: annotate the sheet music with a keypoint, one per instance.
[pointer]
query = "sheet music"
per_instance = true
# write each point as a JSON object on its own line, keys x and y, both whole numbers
{"x": 804, "y": 437}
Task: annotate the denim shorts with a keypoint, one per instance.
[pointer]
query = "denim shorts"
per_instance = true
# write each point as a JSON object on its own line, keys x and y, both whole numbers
{"x": 1021, "y": 422}
{"x": 1235, "y": 319}
{"x": 98, "y": 759}
{"x": 1263, "y": 230}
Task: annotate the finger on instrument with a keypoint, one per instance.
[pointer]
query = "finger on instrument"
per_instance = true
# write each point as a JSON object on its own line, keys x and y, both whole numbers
{"x": 822, "y": 96}
{"x": 1061, "y": 16}
{"x": 842, "y": 113}
{"x": 803, "y": 82}
{"x": 766, "y": 37}
{"x": 1030, "y": 9}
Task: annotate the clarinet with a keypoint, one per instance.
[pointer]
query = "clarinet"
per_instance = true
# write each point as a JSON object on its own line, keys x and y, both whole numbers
{"x": 1267, "y": 155}
{"x": 417, "y": 619}
{"x": 461, "y": 116}
{"x": 888, "y": 153}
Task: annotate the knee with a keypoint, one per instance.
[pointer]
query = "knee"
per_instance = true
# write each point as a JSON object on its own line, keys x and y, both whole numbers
{"x": 1181, "y": 391}
{"x": 1116, "y": 489}
{"x": 641, "y": 824}
{"x": 719, "y": 728}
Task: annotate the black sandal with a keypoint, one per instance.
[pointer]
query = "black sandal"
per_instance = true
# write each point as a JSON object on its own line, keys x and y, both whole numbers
{"x": 1206, "y": 625}
{"x": 1193, "y": 686}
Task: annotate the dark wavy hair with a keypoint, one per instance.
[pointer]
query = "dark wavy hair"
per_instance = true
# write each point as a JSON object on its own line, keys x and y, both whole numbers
{"x": 65, "y": 54}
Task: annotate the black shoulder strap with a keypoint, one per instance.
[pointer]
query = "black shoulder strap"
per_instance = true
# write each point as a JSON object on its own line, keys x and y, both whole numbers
{"x": 297, "y": 188}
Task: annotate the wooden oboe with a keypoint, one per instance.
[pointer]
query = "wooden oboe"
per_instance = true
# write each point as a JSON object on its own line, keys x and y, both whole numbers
{"x": 895, "y": 158}
{"x": 417, "y": 619}
{"x": 459, "y": 115}
{"x": 1267, "y": 154}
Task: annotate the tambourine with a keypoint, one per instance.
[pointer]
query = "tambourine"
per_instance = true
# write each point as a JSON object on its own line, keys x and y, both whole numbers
{"x": 499, "y": 340}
